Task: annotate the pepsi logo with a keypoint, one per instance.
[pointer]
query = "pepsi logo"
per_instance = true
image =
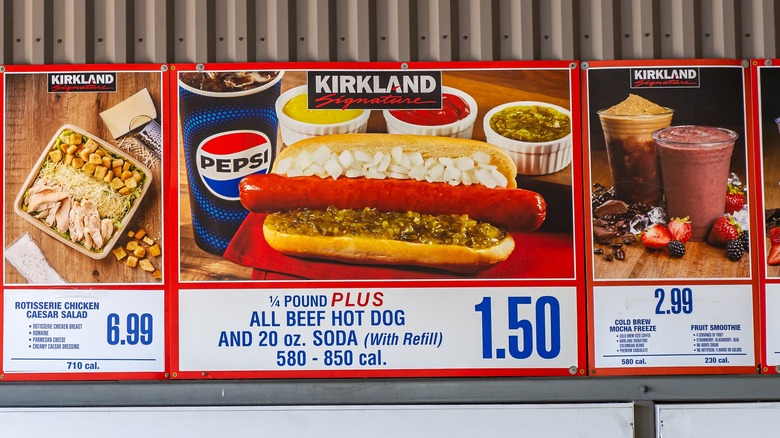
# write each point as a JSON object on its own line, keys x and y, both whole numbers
{"x": 224, "y": 159}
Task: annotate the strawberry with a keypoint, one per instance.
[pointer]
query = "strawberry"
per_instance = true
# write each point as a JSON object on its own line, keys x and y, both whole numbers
{"x": 773, "y": 259}
{"x": 724, "y": 229}
{"x": 680, "y": 228}
{"x": 656, "y": 236}
{"x": 774, "y": 236}
{"x": 735, "y": 199}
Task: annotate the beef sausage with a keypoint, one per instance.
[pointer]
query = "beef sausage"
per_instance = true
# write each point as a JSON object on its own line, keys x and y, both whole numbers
{"x": 511, "y": 209}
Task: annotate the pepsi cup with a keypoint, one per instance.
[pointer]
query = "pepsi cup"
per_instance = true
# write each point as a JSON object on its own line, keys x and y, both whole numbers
{"x": 228, "y": 130}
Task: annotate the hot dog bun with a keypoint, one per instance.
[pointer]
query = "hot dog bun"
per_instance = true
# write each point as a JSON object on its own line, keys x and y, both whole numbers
{"x": 350, "y": 197}
{"x": 428, "y": 146}
{"x": 360, "y": 250}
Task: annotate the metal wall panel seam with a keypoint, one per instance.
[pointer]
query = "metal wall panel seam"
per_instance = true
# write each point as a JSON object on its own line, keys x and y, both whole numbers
{"x": 354, "y": 30}
{"x": 759, "y": 19}
{"x": 110, "y": 35}
{"x": 645, "y": 24}
{"x": 680, "y": 25}
{"x": 396, "y": 29}
{"x": 436, "y": 24}
{"x": 143, "y": 35}
{"x": 518, "y": 24}
{"x": 720, "y": 27}
{"x": 477, "y": 23}
{"x": 31, "y": 34}
{"x": 599, "y": 20}
{"x": 557, "y": 29}
{"x": 274, "y": 38}
{"x": 193, "y": 26}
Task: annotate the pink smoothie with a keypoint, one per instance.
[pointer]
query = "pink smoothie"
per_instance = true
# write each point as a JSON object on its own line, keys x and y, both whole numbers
{"x": 695, "y": 169}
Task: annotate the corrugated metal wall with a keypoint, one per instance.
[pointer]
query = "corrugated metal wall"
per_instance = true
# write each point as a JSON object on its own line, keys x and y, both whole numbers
{"x": 136, "y": 31}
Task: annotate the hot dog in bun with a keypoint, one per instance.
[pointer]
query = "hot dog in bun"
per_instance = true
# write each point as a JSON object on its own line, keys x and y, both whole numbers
{"x": 437, "y": 202}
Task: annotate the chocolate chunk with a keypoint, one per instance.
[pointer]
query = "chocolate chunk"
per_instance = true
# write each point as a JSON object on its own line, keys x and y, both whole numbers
{"x": 602, "y": 234}
{"x": 613, "y": 207}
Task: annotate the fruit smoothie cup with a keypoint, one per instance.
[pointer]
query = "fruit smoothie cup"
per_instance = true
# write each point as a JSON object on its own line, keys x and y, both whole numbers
{"x": 633, "y": 161}
{"x": 695, "y": 168}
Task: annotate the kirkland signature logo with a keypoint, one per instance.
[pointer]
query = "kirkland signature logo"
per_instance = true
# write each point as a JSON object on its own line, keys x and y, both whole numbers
{"x": 374, "y": 90}
{"x": 82, "y": 82}
{"x": 684, "y": 77}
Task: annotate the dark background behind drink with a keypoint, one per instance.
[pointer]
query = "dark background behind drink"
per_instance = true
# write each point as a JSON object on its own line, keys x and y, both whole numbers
{"x": 719, "y": 101}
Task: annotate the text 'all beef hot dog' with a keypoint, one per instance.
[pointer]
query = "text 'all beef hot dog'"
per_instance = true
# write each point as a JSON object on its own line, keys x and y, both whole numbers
{"x": 427, "y": 201}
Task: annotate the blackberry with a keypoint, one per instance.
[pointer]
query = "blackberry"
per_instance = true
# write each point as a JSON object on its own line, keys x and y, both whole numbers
{"x": 744, "y": 237}
{"x": 676, "y": 248}
{"x": 734, "y": 250}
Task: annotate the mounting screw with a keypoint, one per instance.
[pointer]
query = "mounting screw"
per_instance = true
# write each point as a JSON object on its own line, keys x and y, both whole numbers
{"x": 572, "y": 370}
{"x": 200, "y": 67}
{"x": 643, "y": 389}
{"x": 404, "y": 66}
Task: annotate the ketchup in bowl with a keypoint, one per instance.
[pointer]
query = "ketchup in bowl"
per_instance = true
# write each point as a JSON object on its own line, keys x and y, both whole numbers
{"x": 453, "y": 109}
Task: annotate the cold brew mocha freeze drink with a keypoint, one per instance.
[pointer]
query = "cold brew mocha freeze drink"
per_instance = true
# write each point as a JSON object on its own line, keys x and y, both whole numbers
{"x": 633, "y": 162}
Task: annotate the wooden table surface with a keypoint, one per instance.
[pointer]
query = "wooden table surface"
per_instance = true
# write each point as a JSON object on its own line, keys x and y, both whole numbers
{"x": 32, "y": 117}
{"x": 489, "y": 89}
{"x": 701, "y": 260}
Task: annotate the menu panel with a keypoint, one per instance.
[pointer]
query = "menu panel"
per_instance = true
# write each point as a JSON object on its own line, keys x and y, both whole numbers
{"x": 671, "y": 253}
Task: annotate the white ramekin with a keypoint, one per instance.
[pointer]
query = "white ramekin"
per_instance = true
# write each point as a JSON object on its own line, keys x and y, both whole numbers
{"x": 461, "y": 129}
{"x": 294, "y": 130}
{"x": 540, "y": 158}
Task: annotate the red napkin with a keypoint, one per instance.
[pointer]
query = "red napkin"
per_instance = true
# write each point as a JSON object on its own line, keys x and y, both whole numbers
{"x": 536, "y": 255}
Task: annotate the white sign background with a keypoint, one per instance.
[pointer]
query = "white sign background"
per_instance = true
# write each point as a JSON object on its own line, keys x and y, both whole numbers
{"x": 674, "y": 342}
{"x": 94, "y": 354}
{"x": 447, "y": 315}
{"x": 413, "y": 421}
{"x": 717, "y": 420}
{"x": 772, "y": 322}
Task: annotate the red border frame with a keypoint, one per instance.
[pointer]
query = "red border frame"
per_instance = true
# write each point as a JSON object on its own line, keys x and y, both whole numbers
{"x": 576, "y": 282}
{"x": 755, "y": 66}
{"x": 591, "y": 282}
{"x": 94, "y": 376}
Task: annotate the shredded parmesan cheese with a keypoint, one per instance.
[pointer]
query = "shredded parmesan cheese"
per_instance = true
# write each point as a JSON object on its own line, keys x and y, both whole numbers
{"x": 110, "y": 204}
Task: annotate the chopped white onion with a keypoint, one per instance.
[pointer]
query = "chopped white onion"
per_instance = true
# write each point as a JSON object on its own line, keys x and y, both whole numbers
{"x": 362, "y": 156}
{"x": 396, "y": 153}
{"x": 481, "y": 157}
{"x": 283, "y": 166}
{"x": 384, "y": 164}
{"x": 346, "y": 159}
{"x": 415, "y": 159}
{"x": 464, "y": 163}
{"x": 321, "y": 155}
{"x": 396, "y": 164}
{"x": 333, "y": 168}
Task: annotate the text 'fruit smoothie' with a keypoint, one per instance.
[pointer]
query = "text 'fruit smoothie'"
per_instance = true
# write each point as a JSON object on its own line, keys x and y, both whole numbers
{"x": 695, "y": 164}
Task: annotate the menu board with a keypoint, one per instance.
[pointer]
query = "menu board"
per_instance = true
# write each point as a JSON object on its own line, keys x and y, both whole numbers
{"x": 766, "y": 78}
{"x": 356, "y": 220}
{"x": 673, "y": 279}
{"x": 83, "y": 279}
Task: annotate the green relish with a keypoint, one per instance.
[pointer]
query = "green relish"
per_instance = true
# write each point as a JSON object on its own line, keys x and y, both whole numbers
{"x": 444, "y": 229}
{"x": 532, "y": 123}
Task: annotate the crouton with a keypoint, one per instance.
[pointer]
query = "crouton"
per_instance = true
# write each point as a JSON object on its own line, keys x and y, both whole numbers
{"x": 119, "y": 253}
{"x": 146, "y": 265}
{"x": 55, "y": 155}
